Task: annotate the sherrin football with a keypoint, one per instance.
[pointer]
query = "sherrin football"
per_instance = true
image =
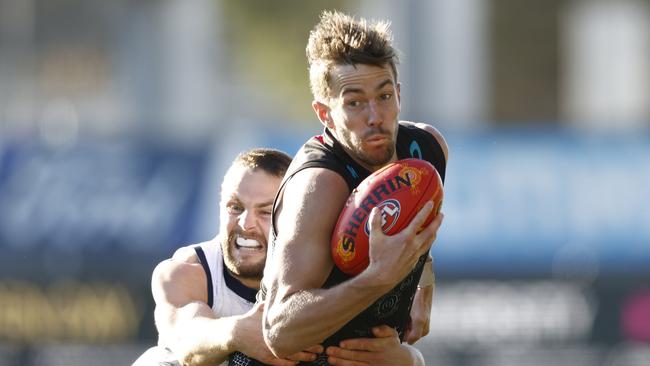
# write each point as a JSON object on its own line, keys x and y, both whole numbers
{"x": 400, "y": 190}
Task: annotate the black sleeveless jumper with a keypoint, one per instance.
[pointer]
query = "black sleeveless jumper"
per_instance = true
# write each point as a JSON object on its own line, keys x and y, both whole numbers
{"x": 324, "y": 151}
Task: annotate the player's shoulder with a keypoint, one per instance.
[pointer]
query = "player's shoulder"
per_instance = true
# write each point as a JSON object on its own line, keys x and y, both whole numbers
{"x": 178, "y": 282}
{"x": 317, "y": 191}
{"x": 186, "y": 254}
{"x": 432, "y": 130}
{"x": 184, "y": 266}
{"x": 189, "y": 253}
{"x": 317, "y": 179}
{"x": 172, "y": 270}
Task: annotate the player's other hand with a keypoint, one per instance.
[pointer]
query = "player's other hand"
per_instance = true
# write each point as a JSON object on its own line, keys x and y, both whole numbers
{"x": 420, "y": 316}
{"x": 385, "y": 350}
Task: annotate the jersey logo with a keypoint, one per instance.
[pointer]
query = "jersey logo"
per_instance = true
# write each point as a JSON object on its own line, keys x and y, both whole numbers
{"x": 352, "y": 171}
{"x": 389, "y": 214}
{"x": 387, "y": 305}
{"x": 415, "y": 151}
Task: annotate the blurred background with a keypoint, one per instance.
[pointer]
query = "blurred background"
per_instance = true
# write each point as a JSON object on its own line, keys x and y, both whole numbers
{"x": 118, "y": 119}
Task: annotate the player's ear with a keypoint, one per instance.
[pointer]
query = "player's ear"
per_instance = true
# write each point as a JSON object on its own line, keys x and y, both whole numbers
{"x": 323, "y": 113}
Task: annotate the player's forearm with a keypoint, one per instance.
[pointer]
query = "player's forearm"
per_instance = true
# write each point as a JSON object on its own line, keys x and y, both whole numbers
{"x": 315, "y": 314}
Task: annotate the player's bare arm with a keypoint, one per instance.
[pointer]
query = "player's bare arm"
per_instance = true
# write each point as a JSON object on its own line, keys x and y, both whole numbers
{"x": 178, "y": 287}
{"x": 420, "y": 313}
{"x": 189, "y": 327}
{"x": 302, "y": 262}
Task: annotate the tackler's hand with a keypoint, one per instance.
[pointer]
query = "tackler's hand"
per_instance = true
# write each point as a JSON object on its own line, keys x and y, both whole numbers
{"x": 384, "y": 350}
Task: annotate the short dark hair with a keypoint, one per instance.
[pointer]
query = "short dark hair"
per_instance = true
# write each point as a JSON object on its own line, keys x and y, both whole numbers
{"x": 272, "y": 161}
{"x": 341, "y": 39}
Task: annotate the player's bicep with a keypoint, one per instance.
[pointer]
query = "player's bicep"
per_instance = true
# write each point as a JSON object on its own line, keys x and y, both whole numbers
{"x": 312, "y": 202}
{"x": 177, "y": 291}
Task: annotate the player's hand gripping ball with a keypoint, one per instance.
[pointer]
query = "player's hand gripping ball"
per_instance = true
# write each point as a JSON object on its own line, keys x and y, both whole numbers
{"x": 400, "y": 190}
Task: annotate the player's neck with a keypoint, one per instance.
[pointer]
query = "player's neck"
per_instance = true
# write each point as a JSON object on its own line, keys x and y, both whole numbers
{"x": 372, "y": 168}
{"x": 253, "y": 283}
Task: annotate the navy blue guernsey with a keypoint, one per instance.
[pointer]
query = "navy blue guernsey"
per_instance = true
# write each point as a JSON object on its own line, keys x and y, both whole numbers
{"x": 324, "y": 151}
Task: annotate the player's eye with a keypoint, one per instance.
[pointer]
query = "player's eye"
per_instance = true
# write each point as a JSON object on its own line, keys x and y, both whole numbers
{"x": 235, "y": 209}
{"x": 386, "y": 96}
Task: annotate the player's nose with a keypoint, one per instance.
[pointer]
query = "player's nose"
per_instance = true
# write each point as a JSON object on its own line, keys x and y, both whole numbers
{"x": 247, "y": 220}
{"x": 374, "y": 113}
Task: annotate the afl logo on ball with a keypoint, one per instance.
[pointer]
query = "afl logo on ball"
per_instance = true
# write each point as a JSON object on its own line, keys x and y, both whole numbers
{"x": 389, "y": 215}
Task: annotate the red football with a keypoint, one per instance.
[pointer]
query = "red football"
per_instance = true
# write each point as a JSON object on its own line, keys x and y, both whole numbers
{"x": 400, "y": 189}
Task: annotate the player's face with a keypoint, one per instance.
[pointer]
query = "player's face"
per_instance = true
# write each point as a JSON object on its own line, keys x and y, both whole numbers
{"x": 364, "y": 111}
{"x": 246, "y": 202}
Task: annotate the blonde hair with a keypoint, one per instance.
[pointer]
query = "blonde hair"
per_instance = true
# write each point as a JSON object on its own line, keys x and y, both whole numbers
{"x": 341, "y": 39}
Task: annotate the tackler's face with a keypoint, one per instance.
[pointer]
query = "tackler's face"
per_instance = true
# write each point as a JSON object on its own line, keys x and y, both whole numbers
{"x": 246, "y": 203}
{"x": 363, "y": 112}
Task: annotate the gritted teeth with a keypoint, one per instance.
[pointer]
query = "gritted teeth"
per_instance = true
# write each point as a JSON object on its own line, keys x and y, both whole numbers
{"x": 248, "y": 243}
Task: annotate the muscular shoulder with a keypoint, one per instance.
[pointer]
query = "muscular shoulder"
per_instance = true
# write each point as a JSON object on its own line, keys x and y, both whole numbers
{"x": 318, "y": 184}
{"x": 317, "y": 176}
{"x": 186, "y": 254}
{"x": 313, "y": 193}
{"x": 179, "y": 280}
{"x": 433, "y": 131}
